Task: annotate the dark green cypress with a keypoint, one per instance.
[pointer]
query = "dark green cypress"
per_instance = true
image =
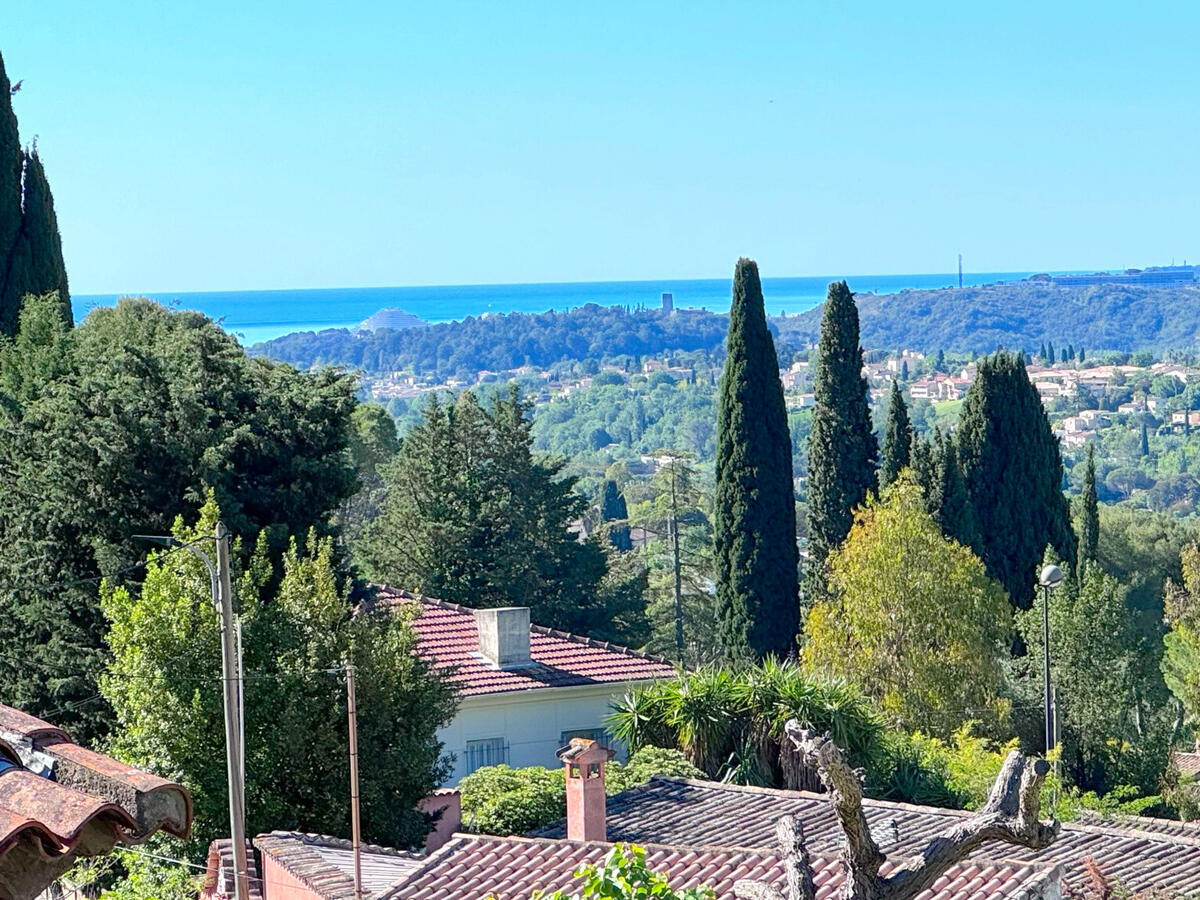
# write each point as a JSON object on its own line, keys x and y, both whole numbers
{"x": 1089, "y": 521}
{"x": 1042, "y": 353}
{"x": 897, "y": 439}
{"x": 1145, "y": 440}
{"x": 1081, "y": 354}
{"x": 30, "y": 248}
{"x": 955, "y": 513}
{"x": 924, "y": 466}
{"x": 613, "y": 509}
{"x": 1012, "y": 468}
{"x": 904, "y": 370}
{"x": 36, "y": 264}
{"x": 939, "y": 362}
{"x": 1049, "y": 353}
{"x": 841, "y": 444}
{"x": 754, "y": 503}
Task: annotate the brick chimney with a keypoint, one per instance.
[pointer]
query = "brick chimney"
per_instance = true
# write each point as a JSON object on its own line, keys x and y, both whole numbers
{"x": 585, "y": 761}
{"x": 504, "y": 636}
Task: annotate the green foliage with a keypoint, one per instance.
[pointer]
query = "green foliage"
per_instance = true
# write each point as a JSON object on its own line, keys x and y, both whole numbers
{"x": 472, "y": 516}
{"x": 116, "y": 428}
{"x": 954, "y": 512}
{"x": 614, "y": 510}
{"x": 842, "y": 447}
{"x": 897, "y": 439}
{"x": 502, "y": 800}
{"x": 624, "y": 875}
{"x": 164, "y": 686}
{"x": 31, "y": 261}
{"x": 1181, "y": 663}
{"x": 372, "y": 445}
{"x": 1109, "y": 736}
{"x": 151, "y": 879}
{"x": 714, "y": 713}
{"x": 1089, "y": 519}
{"x": 754, "y": 513}
{"x": 912, "y": 617}
{"x": 1013, "y": 472}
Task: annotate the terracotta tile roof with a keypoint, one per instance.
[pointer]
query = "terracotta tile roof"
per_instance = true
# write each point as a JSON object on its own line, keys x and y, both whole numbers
{"x": 448, "y": 637}
{"x": 60, "y": 801}
{"x": 682, "y": 811}
{"x": 218, "y": 881}
{"x": 326, "y": 864}
{"x": 472, "y": 867}
{"x": 1188, "y": 764}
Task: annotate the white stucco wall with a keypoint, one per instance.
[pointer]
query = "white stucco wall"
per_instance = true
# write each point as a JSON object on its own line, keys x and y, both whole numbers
{"x": 531, "y": 722}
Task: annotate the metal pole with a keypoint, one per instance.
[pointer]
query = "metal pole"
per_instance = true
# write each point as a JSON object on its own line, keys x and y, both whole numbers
{"x": 241, "y": 687}
{"x": 233, "y": 756}
{"x": 1049, "y": 698}
{"x": 356, "y": 841}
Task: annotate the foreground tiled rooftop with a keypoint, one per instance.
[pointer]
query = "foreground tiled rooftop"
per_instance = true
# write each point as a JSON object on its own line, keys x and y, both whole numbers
{"x": 449, "y": 637}
{"x": 1188, "y": 764}
{"x": 326, "y": 864}
{"x": 678, "y": 811}
{"x": 472, "y": 867}
{"x": 59, "y": 801}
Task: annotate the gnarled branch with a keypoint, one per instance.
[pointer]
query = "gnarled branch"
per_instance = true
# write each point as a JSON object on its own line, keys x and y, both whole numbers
{"x": 1010, "y": 815}
{"x": 789, "y": 834}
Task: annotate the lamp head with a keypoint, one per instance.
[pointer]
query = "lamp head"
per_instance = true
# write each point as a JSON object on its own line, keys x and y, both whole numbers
{"x": 1051, "y": 577}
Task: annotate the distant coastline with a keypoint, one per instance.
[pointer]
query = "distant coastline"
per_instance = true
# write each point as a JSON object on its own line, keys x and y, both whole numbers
{"x": 257, "y": 316}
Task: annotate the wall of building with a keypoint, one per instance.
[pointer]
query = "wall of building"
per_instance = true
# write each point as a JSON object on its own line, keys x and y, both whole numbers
{"x": 532, "y": 723}
{"x": 280, "y": 884}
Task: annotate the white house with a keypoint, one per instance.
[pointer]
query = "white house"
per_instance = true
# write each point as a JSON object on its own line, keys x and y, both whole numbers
{"x": 525, "y": 690}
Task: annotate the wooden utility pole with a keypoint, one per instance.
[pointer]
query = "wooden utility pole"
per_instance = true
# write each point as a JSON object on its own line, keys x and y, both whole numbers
{"x": 355, "y": 835}
{"x": 230, "y": 675}
{"x": 673, "y": 528}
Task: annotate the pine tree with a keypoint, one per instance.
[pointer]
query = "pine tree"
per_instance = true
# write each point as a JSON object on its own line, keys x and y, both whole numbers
{"x": 754, "y": 504}
{"x": 841, "y": 444}
{"x": 30, "y": 248}
{"x": 1089, "y": 520}
{"x": 1145, "y": 440}
{"x": 897, "y": 439}
{"x": 1012, "y": 468}
{"x": 613, "y": 509}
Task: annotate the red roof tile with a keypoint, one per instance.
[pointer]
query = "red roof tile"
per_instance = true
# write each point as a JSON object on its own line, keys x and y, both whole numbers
{"x": 448, "y": 637}
{"x": 509, "y": 868}
{"x": 1188, "y": 764}
{"x": 59, "y": 801}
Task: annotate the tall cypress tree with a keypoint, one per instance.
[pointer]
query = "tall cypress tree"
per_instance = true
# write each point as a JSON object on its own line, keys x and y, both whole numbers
{"x": 754, "y": 502}
{"x": 954, "y": 513}
{"x": 613, "y": 509}
{"x": 897, "y": 439}
{"x": 1145, "y": 440}
{"x": 30, "y": 248}
{"x": 1089, "y": 521}
{"x": 1012, "y": 468}
{"x": 841, "y": 444}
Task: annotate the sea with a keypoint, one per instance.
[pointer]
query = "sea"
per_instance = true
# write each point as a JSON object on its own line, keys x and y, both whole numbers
{"x": 255, "y": 316}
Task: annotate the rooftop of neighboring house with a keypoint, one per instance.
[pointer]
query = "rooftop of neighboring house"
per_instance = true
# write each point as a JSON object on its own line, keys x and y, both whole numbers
{"x": 1141, "y": 853}
{"x": 60, "y": 802}
{"x": 449, "y": 636}
{"x": 325, "y": 865}
{"x": 1188, "y": 763}
{"x": 510, "y": 868}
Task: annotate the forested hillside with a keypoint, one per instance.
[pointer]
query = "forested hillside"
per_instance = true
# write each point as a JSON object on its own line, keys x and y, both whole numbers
{"x": 1020, "y": 315}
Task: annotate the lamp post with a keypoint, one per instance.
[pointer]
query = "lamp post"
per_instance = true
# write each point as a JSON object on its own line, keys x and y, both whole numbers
{"x": 1051, "y": 577}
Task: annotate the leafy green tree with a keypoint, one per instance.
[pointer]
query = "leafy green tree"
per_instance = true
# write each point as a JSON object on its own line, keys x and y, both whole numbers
{"x": 1089, "y": 508}
{"x": 31, "y": 259}
{"x": 842, "y": 447}
{"x": 897, "y": 439}
{"x": 1105, "y": 740}
{"x": 754, "y": 503}
{"x": 614, "y": 510}
{"x": 913, "y": 618}
{"x": 116, "y": 428}
{"x": 624, "y": 875}
{"x": 163, "y": 683}
{"x": 1013, "y": 471}
{"x": 1181, "y": 663}
{"x": 472, "y": 516}
{"x": 372, "y": 445}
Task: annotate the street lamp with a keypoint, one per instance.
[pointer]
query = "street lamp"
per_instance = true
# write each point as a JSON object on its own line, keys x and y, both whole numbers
{"x": 1051, "y": 577}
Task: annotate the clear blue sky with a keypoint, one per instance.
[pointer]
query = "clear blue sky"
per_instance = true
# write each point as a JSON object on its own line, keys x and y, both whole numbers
{"x": 224, "y": 145}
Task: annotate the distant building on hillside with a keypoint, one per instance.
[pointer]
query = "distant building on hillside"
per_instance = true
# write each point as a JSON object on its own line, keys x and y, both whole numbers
{"x": 390, "y": 319}
{"x": 668, "y": 303}
{"x": 1155, "y": 276}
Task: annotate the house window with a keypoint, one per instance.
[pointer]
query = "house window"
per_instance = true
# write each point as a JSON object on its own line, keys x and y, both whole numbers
{"x": 592, "y": 734}
{"x": 488, "y": 752}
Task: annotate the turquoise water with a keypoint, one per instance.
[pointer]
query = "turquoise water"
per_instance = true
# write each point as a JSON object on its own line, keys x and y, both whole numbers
{"x": 261, "y": 315}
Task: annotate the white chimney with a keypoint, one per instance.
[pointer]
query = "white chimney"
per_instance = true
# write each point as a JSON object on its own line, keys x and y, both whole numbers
{"x": 504, "y": 636}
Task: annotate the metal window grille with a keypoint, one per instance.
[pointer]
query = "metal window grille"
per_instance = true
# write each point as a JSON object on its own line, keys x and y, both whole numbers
{"x": 489, "y": 752}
